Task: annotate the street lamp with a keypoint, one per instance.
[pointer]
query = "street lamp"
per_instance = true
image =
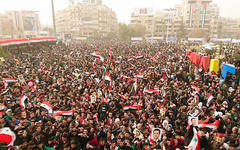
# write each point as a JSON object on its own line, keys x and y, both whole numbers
{"x": 53, "y": 16}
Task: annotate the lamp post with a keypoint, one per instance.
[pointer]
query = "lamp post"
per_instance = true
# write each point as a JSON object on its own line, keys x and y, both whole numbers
{"x": 53, "y": 16}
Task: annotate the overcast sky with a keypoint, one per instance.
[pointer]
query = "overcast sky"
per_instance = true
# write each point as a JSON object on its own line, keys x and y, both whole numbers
{"x": 123, "y": 8}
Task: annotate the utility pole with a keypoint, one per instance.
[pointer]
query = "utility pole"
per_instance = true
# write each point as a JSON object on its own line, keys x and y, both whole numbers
{"x": 53, "y": 16}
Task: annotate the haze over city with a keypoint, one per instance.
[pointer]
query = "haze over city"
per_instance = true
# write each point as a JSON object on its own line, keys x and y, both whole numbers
{"x": 123, "y": 8}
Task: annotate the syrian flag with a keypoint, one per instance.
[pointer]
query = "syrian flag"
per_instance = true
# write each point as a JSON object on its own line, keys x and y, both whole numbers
{"x": 194, "y": 143}
{"x": 8, "y": 80}
{"x": 117, "y": 61}
{"x": 196, "y": 88}
{"x": 133, "y": 80}
{"x": 132, "y": 107}
{"x": 47, "y": 106}
{"x": 108, "y": 78}
{"x": 156, "y": 89}
{"x": 22, "y": 101}
{"x": 152, "y": 58}
{"x": 164, "y": 92}
{"x": 7, "y": 136}
{"x": 139, "y": 56}
{"x": 212, "y": 126}
{"x": 209, "y": 99}
{"x": 4, "y": 92}
{"x": 105, "y": 100}
{"x": 130, "y": 59}
{"x": 216, "y": 85}
{"x": 64, "y": 113}
{"x": 140, "y": 75}
{"x": 150, "y": 91}
{"x": 124, "y": 97}
{"x": 2, "y": 106}
{"x": 98, "y": 55}
{"x": 163, "y": 77}
{"x": 150, "y": 139}
{"x": 135, "y": 85}
{"x": 168, "y": 75}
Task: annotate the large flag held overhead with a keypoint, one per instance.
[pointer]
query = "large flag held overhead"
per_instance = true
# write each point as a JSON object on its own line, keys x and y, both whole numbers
{"x": 22, "y": 101}
{"x": 132, "y": 107}
{"x": 213, "y": 125}
{"x": 7, "y": 136}
{"x": 8, "y": 80}
{"x": 47, "y": 106}
{"x": 64, "y": 113}
{"x": 150, "y": 91}
{"x": 108, "y": 78}
{"x": 194, "y": 143}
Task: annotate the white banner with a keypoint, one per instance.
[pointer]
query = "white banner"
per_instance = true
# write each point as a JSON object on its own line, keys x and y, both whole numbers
{"x": 143, "y": 11}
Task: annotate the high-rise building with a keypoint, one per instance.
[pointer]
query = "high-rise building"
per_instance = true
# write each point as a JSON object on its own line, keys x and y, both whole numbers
{"x": 201, "y": 15}
{"x": 86, "y": 20}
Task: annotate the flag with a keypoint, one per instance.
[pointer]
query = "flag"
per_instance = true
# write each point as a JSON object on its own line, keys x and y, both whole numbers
{"x": 133, "y": 80}
{"x": 7, "y": 136}
{"x": 168, "y": 75}
{"x": 196, "y": 88}
{"x": 135, "y": 85}
{"x": 150, "y": 91}
{"x": 122, "y": 96}
{"x": 117, "y": 61}
{"x": 209, "y": 99}
{"x": 4, "y": 92}
{"x": 130, "y": 59}
{"x": 140, "y": 75}
{"x": 64, "y": 113}
{"x": 156, "y": 89}
{"x": 8, "y": 80}
{"x": 132, "y": 107}
{"x": 213, "y": 125}
{"x": 204, "y": 121}
{"x": 47, "y": 106}
{"x": 108, "y": 78}
{"x": 22, "y": 101}
{"x": 139, "y": 56}
{"x": 194, "y": 143}
{"x": 105, "y": 100}
{"x": 163, "y": 77}
{"x": 98, "y": 55}
{"x": 164, "y": 92}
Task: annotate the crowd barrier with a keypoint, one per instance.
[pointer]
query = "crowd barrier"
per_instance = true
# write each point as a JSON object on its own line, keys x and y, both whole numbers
{"x": 211, "y": 65}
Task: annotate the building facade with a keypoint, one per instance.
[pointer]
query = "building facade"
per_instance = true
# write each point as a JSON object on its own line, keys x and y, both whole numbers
{"x": 200, "y": 15}
{"x": 18, "y": 24}
{"x": 89, "y": 20}
{"x": 25, "y": 23}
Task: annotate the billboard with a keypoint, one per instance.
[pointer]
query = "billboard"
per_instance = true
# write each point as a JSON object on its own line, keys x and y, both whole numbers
{"x": 29, "y": 22}
{"x": 143, "y": 11}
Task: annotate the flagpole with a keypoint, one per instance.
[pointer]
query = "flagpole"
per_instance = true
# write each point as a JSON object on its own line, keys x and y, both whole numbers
{"x": 53, "y": 17}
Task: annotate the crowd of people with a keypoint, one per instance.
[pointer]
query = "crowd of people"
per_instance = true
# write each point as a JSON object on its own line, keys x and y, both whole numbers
{"x": 116, "y": 96}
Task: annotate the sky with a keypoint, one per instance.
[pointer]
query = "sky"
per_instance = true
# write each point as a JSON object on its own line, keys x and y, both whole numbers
{"x": 123, "y": 8}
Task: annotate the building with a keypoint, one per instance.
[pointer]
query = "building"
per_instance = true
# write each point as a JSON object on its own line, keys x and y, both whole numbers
{"x": 87, "y": 19}
{"x": 160, "y": 25}
{"x": 201, "y": 15}
{"x": 25, "y": 23}
{"x": 229, "y": 28}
